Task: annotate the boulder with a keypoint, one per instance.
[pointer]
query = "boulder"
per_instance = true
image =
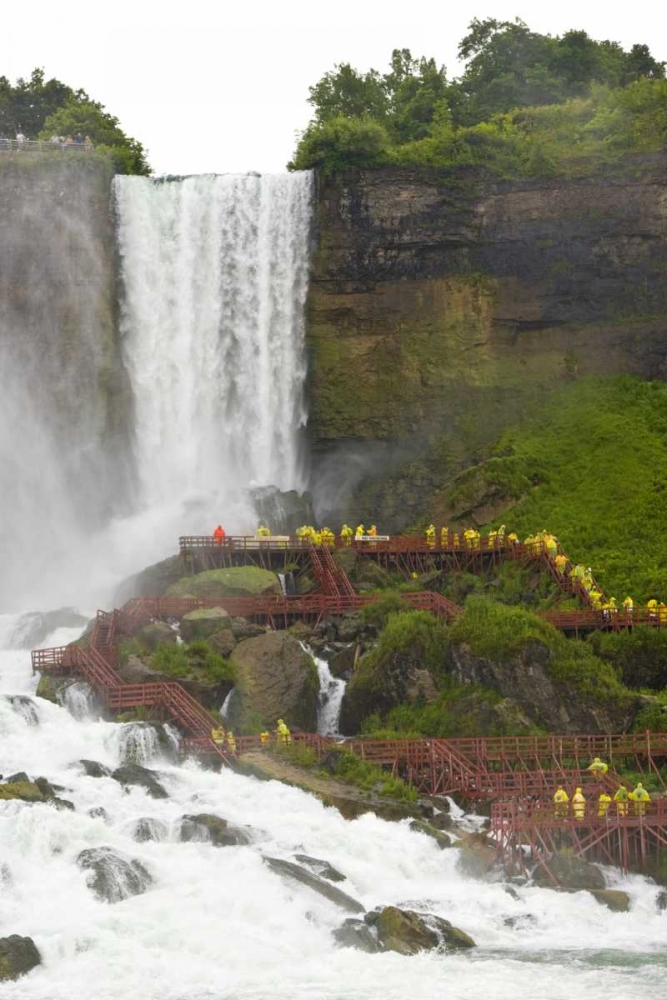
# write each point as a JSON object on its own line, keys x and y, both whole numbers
{"x": 148, "y": 828}
{"x": 26, "y": 791}
{"x": 18, "y": 955}
{"x": 661, "y": 900}
{"x": 62, "y": 804}
{"x": 341, "y": 663}
{"x": 570, "y": 873}
{"x": 46, "y": 788}
{"x": 243, "y": 629}
{"x": 223, "y": 642}
{"x": 99, "y": 812}
{"x": 476, "y": 855}
{"x": 441, "y": 839}
{"x": 113, "y": 876}
{"x": 614, "y": 899}
{"x": 19, "y": 776}
{"x": 152, "y": 634}
{"x": 408, "y": 932}
{"x": 202, "y": 623}
{"x": 94, "y": 769}
{"x": 275, "y": 679}
{"x": 134, "y": 774}
{"x": 298, "y": 874}
{"x": 52, "y": 688}
{"x": 320, "y": 867}
{"x": 213, "y": 829}
{"x": 250, "y": 581}
{"x": 355, "y": 933}
{"x": 137, "y": 671}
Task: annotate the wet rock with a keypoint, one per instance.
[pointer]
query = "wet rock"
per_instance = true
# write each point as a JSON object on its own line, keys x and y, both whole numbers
{"x": 341, "y": 662}
{"x": 213, "y": 829}
{"x": 520, "y": 922}
{"x": 223, "y": 642}
{"x": 570, "y": 873}
{"x": 511, "y": 891}
{"x": 476, "y": 855}
{"x": 357, "y": 934}
{"x": 275, "y": 678}
{"x": 94, "y": 769}
{"x": 154, "y": 633}
{"x": 320, "y": 867}
{"x": 136, "y": 671}
{"x": 148, "y": 828}
{"x": 25, "y": 790}
{"x": 250, "y": 581}
{"x": 441, "y": 839}
{"x": 408, "y": 932}
{"x": 243, "y": 629}
{"x": 62, "y": 804}
{"x": 46, "y": 788}
{"x": 113, "y": 876}
{"x": 349, "y": 627}
{"x": 442, "y": 821}
{"x": 134, "y": 774}
{"x": 298, "y": 874}
{"x": 154, "y": 581}
{"x": 661, "y": 900}
{"x": 614, "y": 899}
{"x": 202, "y": 623}
{"x": 18, "y": 955}
{"x": 99, "y": 812}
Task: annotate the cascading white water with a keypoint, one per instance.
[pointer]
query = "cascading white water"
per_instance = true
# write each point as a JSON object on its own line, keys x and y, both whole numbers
{"x": 332, "y": 690}
{"x": 218, "y": 923}
{"x": 215, "y": 273}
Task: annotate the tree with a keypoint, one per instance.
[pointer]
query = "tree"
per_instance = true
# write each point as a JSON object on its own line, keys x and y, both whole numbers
{"x": 340, "y": 143}
{"x": 90, "y": 119}
{"x": 348, "y": 94}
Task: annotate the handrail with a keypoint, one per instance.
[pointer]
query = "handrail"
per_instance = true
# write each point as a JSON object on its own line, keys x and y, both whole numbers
{"x": 43, "y": 146}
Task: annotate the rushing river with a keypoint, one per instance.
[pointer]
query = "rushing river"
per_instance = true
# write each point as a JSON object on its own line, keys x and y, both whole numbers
{"x": 217, "y": 924}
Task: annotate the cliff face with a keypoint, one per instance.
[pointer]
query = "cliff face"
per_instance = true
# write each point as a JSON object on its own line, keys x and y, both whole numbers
{"x": 439, "y": 313}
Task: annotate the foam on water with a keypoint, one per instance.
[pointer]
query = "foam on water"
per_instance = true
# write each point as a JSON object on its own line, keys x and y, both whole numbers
{"x": 217, "y": 923}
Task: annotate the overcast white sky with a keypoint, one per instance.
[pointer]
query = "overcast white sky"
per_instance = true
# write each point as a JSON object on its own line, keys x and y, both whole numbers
{"x": 221, "y": 85}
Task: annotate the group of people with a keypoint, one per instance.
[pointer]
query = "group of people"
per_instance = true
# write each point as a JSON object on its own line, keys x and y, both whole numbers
{"x": 78, "y": 141}
{"x": 639, "y": 796}
{"x": 225, "y": 737}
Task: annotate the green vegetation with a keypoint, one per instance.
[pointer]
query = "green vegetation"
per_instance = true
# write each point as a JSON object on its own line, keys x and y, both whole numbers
{"x": 41, "y": 108}
{"x": 379, "y": 611}
{"x": 196, "y": 660}
{"x": 241, "y": 580}
{"x": 639, "y": 656}
{"x": 526, "y": 105}
{"x": 596, "y": 461}
{"x": 348, "y": 767}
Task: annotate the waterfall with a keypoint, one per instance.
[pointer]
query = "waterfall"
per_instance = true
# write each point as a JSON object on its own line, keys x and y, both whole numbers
{"x": 331, "y": 694}
{"x": 214, "y": 272}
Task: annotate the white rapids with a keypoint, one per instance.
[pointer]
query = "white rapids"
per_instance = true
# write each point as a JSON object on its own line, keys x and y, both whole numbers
{"x": 217, "y": 924}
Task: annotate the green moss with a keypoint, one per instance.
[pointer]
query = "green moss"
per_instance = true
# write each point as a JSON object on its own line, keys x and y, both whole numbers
{"x": 195, "y": 661}
{"x": 250, "y": 580}
{"x": 28, "y": 791}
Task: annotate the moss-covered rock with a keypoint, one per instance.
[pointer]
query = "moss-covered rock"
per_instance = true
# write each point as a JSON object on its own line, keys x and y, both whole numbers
{"x": 408, "y": 932}
{"x": 250, "y": 581}
{"x": 223, "y": 642}
{"x": 275, "y": 679}
{"x": 26, "y": 791}
{"x": 202, "y": 623}
{"x": 570, "y": 873}
{"x": 154, "y": 633}
{"x": 614, "y": 899}
{"x": 18, "y": 955}
{"x": 215, "y": 829}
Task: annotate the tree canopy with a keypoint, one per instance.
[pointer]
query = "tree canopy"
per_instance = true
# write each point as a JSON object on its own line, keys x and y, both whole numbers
{"x": 41, "y": 108}
{"x": 413, "y": 114}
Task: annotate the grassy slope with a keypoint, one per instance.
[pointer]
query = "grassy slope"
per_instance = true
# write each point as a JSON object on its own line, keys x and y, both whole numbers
{"x": 598, "y": 453}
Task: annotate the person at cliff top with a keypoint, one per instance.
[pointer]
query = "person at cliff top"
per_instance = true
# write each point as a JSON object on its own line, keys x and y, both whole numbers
{"x": 561, "y": 799}
{"x": 327, "y": 537}
{"x": 283, "y": 735}
{"x": 604, "y": 802}
{"x": 218, "y": 736}
{"x": 219, "y": 535}
{"x": 621, "y": 800}
{"x": 430, "y": 536}
{"x": 263, "y": 531}
{"x": 578, "y": 804}
{"x": 640, "y": 797}
{"x": 469, "y": 536}
{"x": 444, "y": 537}
{"x": 360, "y": 532}
{"x": 346, "y": 534}
{"x": 628, "y": 605}
{"x": 598, "y": 766}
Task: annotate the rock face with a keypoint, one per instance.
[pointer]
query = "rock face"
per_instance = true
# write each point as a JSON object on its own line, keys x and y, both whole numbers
{"x": 320, "y": 867}
{"x": 94, "y": 769}
{"x": 156, "y": 632}
{"x": 135, "y": 774}
{"x": 18, "y": 955}
{"x": 570, "y": 873}
{"x": 113, "y": 877}
{"x": 154, "y": 581}
{"x": 438, "y": 312}
{"x": 319, "y": 885}
{"x": 275, "y": 679}
{"x": 408, "y": 932}
{"x": 525, "y": 680}
{"x": 242, "y": 580}
{"x": 149, "y": 828}
{"x": 206, "y": 827}
{"x": 614, "y": 899}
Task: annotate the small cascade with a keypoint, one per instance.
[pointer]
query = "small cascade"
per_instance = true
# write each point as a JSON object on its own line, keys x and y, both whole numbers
{"x": 25, "y": 708}
{"x": 79, "y": 699}
{"x": 138, "y": 743}
{"x": 224, "y": 708}
{"x": 332, "y": 690}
